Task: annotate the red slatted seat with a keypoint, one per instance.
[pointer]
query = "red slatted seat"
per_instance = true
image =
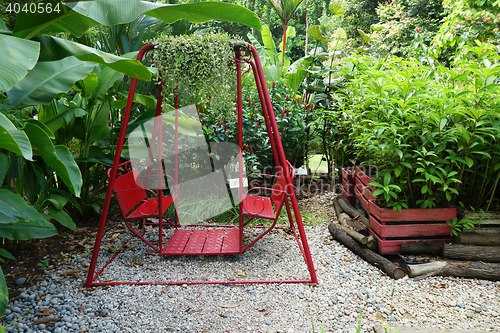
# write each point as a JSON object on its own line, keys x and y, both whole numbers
{"x": 132, "y": 196}
{"x": 261, "y": 207}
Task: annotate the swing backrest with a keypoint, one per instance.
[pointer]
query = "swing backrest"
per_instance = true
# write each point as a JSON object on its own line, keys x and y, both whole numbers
{"x": 280, "y": 188}
{"x": 128, "y": 188}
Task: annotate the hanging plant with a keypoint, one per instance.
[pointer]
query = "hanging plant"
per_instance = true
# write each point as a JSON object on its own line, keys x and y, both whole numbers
{"x": 199, "y": 67}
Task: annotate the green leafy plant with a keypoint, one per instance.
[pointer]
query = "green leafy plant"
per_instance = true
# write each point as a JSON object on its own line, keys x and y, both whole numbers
{"x": 322, "y": 327}
{"x": 196, "y": 68}
{"x": 458, "y": 225}
{"x": 432, "y": 131}
{"x": 44, "y": 264}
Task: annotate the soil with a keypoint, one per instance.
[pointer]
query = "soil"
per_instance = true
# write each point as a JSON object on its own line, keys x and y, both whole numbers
{"x": 32, "y": 256}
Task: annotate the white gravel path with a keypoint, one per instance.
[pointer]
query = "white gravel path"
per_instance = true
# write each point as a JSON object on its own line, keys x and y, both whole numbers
{"x": 347, "y": 285}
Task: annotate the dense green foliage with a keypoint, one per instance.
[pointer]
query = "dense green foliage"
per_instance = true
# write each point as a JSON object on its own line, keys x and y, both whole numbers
{"x": 432, "y": 133}
{"x": 197, "y": 67}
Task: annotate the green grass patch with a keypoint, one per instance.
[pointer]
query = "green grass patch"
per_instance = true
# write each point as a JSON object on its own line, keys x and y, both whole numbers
{"x": 315, "y": 163}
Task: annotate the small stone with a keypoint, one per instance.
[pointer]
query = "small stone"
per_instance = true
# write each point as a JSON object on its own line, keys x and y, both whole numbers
{"x": 461, "y": 305}
{"x": 494, "y": 314}
{"x": 21, "y": 281}
{"x": 268, "y": 322}
{"x": 478, "y": 310}
{"x": 469, "y": 315}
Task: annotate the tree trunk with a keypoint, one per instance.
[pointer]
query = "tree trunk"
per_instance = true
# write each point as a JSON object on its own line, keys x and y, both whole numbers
{"x": 471, "y": 252}
{"x": 422, "y": 247}
{"x": 307, "y": 28}
{"x": 373, "y": 258}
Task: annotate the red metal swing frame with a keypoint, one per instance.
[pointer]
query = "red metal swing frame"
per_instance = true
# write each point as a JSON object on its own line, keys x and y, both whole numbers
{"x": 209, "y": 242}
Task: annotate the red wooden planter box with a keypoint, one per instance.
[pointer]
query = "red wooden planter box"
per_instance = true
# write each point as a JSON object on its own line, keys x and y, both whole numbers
{"x": 409, "y": 229}
{"x": 393, "y": 228}
{"x": 390, "y": 246}
{"x": 433, "y": 214}
{"x": 349, "y": 177}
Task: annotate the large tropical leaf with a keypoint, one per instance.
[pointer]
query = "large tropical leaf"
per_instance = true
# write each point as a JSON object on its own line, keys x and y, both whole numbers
{"x": 4, "y": 166}
{"x": 23, "y": 230}
{"x": 336, "y": 9}
{"x": 315, "y": 32}
{"x": 14, "y": 140}
{"x": 63, "y": 118}
{"x": 261, "y": 50}
{"x": 99, "y": 121}
{"x": 48, "y": 79}
{"x": 107, "y": 78}
{"x": 54, "y": 48}
{"x": 62, "y": 217}
{"x": 24, "y": 221}
{"x": 57, "y": 157}
{"x": 297, "y": 73}
{"x": 4, "y": 294}
{"x": 18, "y": 56}
{"x": 77, "y": 17}
{"x": 285, "y": 8}
{"x": 268, "y": 41}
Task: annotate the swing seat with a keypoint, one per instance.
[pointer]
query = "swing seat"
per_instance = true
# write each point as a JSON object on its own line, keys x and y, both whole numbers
{"x": 132, "y": 195}
{"x": 256, "y": 206}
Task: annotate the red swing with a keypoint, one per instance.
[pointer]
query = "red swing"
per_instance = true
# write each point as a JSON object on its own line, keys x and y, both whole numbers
{"x": 137, "y": 202}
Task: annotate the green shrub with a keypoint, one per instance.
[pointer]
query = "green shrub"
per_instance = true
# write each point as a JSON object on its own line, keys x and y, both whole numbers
{"x": 433, "y": 134}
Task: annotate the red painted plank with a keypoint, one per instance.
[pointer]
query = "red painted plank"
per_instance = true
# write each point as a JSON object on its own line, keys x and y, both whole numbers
{"x": 195, "y": 244}
{"x": 432, "y": 214}
{"x": 363, "y": 177}
{"x": 348, "y": 176}
{"x": 213, "y": 244}
{"x": 231, "y": 243}
{"x": 177, "y": 242}
{"x": 409, "y": 230}
{"x": 362, "y": 200}
{"x": 348, "y": 187}
{"x": 351, "y": 198}
{"x": 394, "y": 246}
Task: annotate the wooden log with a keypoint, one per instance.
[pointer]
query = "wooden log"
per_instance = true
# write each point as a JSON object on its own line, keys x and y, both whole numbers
{"x": 337, "y": 208}
{"x": 478, "y": 238}
{"x": 354, "y": 224}
{"x": 373, "y": 258}
{"x": 355, "y": 235}
{"x": 472, "y": 252}
{"x": 421, "y": 269}
{"x": 372, "y": 243}
{"x": 422, "y": 247}
{"x": 353, "y": 212}
{"x": 470, "y": 269}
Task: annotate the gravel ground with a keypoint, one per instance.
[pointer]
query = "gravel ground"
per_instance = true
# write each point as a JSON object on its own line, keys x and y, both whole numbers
{"x": 347, "y": 286}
